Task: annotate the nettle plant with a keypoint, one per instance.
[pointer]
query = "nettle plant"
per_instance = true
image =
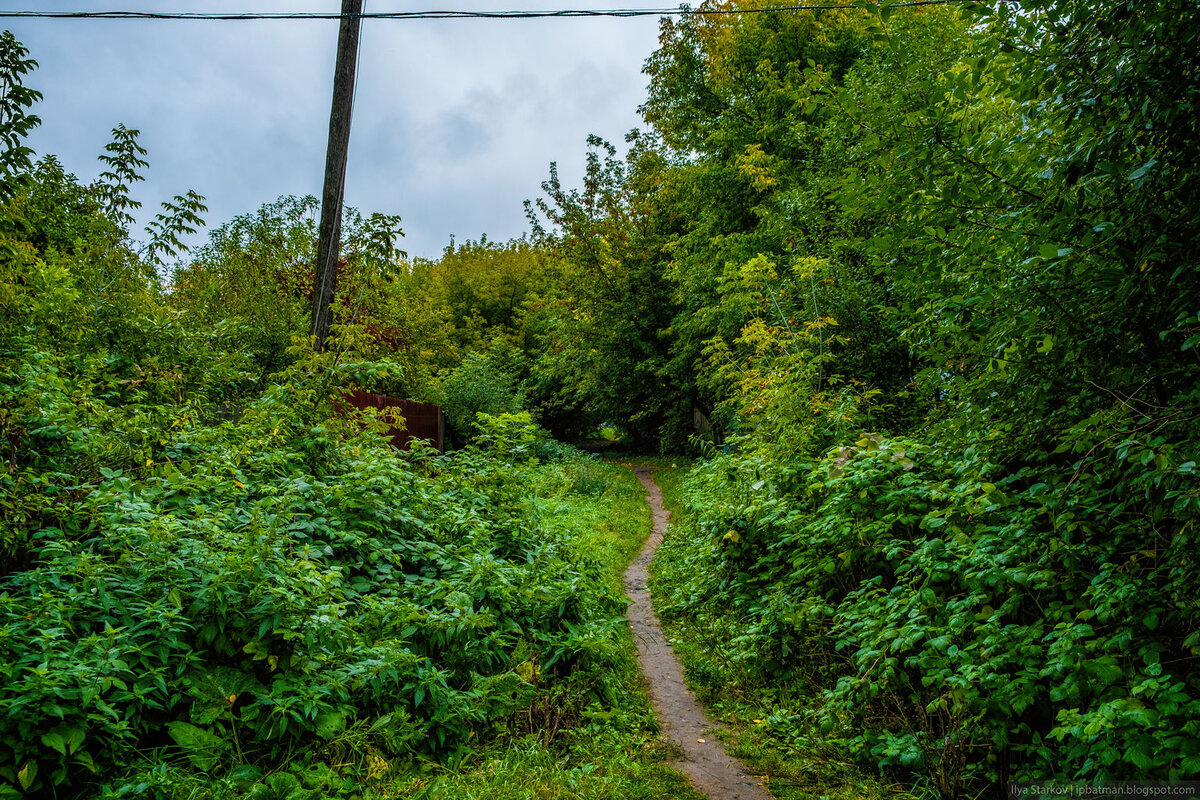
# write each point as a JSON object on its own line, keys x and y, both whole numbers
{"x": 269, "y": 583}
{"x": 965, "y": 622}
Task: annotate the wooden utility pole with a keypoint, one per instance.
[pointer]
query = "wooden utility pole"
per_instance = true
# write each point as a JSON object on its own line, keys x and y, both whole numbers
{"x": 329, "y": 236}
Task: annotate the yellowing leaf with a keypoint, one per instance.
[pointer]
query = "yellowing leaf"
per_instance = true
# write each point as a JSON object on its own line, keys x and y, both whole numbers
{"x": 27, "y": 774}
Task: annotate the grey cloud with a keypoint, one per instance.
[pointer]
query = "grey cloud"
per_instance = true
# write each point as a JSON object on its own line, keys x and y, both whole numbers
{"x": 455, "y": 124}
{"x": 460, "y": 134}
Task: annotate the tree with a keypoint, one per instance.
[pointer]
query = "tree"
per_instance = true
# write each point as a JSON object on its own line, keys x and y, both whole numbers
{"x": 15, "y": 122}
{"x": 605, "y": 352}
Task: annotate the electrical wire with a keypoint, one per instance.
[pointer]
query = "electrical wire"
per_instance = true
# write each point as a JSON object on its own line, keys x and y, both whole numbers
{"x": 443, "y": 15}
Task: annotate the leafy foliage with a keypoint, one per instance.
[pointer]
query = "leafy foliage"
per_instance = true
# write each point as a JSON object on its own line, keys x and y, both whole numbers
{"x": 954, "y": 340}
{"x": 227, "y": 592}
{"x": 476, "y": 387}
{"x": 15, "y": 123}
{"x": 919, "y": 280}
{"x": 209, "y": 568}
{"x": 608, "y": 305}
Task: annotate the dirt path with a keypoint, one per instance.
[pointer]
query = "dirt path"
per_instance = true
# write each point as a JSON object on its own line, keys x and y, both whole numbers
{"x": 683, "y": 720}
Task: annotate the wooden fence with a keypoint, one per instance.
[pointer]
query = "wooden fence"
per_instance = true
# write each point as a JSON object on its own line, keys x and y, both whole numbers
{"x": 421, "y": 420}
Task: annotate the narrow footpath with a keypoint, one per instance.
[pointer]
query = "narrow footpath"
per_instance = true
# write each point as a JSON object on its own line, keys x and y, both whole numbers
{"x": 683, "y": 720}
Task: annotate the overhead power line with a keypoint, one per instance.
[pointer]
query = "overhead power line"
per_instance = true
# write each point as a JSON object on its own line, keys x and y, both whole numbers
{"x": 416, "y": 15}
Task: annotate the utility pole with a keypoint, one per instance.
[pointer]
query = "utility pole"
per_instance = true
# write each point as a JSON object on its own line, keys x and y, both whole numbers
{"x": 329, "y": 235}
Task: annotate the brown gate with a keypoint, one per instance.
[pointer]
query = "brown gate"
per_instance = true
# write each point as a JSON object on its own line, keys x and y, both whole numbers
{"x": 421, "y": 420}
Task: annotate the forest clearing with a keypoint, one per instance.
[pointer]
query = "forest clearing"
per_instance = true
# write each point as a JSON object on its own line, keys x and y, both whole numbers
{"x": 892, "y": 306}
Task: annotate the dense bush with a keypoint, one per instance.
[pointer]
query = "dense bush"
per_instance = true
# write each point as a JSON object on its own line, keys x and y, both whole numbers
{"x": 982, "y": 631}
{"x": 476, "y": 386}
{"x": 973, "y": 237}
{"x": 205, "y": 565}
{"x": 228, "y": 589}
{"x": 255, "y": 584}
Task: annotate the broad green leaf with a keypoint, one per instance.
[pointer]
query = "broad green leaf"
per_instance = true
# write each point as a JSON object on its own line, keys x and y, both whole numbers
{"x": 55, "y": 741}
{"x": 330, "y": 724}
{"x": 74, "y": 737}
{"x": 1104, "y": 668}
{"x": 85, "y": 760}
{"x": 1143, "y": 170}
{"x": 1140, "y": 758}
{"x": 203, "y": 748}
{"x": 245, "y": 773}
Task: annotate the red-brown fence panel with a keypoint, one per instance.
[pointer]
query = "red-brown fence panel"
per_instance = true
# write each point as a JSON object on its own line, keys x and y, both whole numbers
{"x": 421, "y": 420}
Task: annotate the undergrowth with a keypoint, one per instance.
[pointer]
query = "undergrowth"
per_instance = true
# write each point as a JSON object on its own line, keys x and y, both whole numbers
{"x": 268, "y": 609}
{"x": 764, "y": 721}
{"x": 907, "y": 614}
{"x": 217, "y": 581}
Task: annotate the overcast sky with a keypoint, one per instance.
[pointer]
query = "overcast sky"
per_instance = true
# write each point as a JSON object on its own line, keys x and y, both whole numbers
{"x": 455, "y": 123}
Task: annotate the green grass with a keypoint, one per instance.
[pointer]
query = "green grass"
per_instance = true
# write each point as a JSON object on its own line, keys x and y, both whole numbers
{"x": 652, "y": 462}
{"x": 599, "y": 764}
{"x": 669, "y": 478}
{"x": 615, "y": 753}
{"x": 600, "y": 505}
{"x": 590, "y": 735}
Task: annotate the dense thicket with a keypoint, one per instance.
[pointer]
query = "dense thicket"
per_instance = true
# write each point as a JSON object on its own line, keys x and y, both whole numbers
{"x": 933, "y": 273}
{"x": 208, "y": 565}
{"x": 920, "y": 280}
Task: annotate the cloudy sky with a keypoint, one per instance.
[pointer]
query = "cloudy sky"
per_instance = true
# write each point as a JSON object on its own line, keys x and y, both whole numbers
{"x": 455, "y": 123}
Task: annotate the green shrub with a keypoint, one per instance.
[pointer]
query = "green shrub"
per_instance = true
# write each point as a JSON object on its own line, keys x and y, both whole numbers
{"x": 971, "y": 625}
{"x": 476, "y": 387}
{"x": 261, "y": 585}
